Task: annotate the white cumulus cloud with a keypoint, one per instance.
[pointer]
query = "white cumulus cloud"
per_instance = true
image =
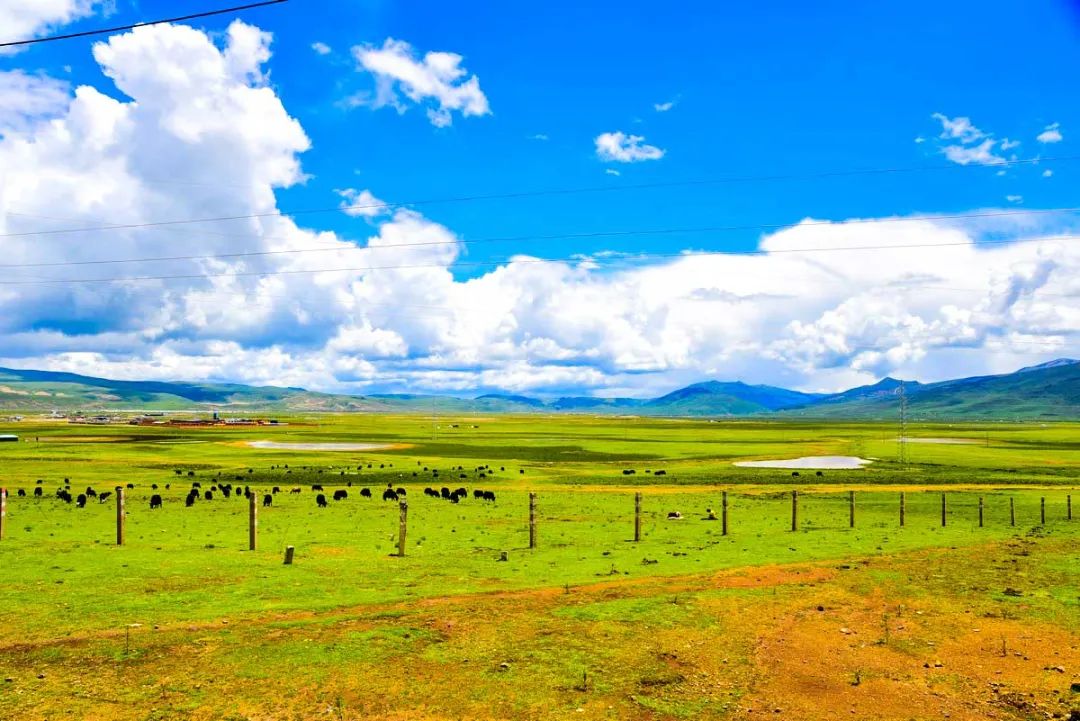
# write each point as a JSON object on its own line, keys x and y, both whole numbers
{"x": 186, "y": 126}
{"x": 981, "y": 154}
{"x": 25, "y": 97}
{"x": 361, "y": 203}
{"x": 959, "y": 128}
{"x": 966, "y": 144}
{"x": 27, "y": 19}
{"x": 1050, "y": 134}
{"x": 437, "y": 80}
{"x": 619, "y": 147}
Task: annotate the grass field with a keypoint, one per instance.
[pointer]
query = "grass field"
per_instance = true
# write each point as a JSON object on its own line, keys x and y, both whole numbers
{"x": 872, "y": 622}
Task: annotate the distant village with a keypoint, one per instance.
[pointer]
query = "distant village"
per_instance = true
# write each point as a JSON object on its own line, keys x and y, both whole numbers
{"x": 151, "y": 418}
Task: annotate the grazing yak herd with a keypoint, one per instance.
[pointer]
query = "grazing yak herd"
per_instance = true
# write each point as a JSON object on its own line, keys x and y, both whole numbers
{"x": 223, "y": 490}
{"x": 218, "y": 488}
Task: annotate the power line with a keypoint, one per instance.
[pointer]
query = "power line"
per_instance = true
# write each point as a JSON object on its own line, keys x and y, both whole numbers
{"x": 530, "y": 194}
{"x": 607, "y": 234}
{"x": 121, "y": 28}
{"x": 487, "y": 263}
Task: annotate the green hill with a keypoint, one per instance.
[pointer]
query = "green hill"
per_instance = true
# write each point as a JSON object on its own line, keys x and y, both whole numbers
{"x": 1049, "y": 391}
{"x": 47, "y": 390}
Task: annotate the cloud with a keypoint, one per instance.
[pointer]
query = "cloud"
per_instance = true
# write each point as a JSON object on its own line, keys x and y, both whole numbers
{"x": 26, "y": 19}
{"x": 1014, "y": 198}
{"x": 959, "y": 128}
{"x": 539, "y": 136}
{"x": 919, "y": 139}
{"x": 618, "y": 147}
{"x": 1050, "y": 134}
{"x": 321, "y": 48}
{"x": 190, "y": 128}
{"x": 612, "y": 171}
{"x": 361, "y": 203}
{"x": 25, "y": 97}
{"x": 981, "y": 154}
{"x": 1047, "y": 173}
{"x": 664, "y": 107}
{"x": 968, "y": 144}
{"x": 437, "y": 81}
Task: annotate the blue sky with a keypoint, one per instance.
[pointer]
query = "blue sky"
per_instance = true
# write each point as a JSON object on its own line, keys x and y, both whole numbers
{"x": 717, "y": 91}
{"x": 783, "y": 88}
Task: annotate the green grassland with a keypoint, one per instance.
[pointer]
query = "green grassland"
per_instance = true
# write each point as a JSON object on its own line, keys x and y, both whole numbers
{"x": 184, "y": 601}
{"x": 558, "y": 450}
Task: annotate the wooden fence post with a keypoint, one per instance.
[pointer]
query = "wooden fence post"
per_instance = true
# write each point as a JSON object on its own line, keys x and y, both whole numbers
{"x": 3, "y": 510}
{"x": 289, "y": 551}
{"x": 532, "y": 520}
{"x": 851, "y": 509}
{"x": 1012, "y": 511}
{"x": 403, "y": 524}
{"x": 902, "y": 509}
{"x": 637, "y": 517}
{"x": 1042, "y": 511}
{"x": 121, "y": 515}
{"x": 723, "y": 513}
{"x": 980, "y": 511}
{"x": 1068, "y": 508}
{"x": 794, "y": 510}
{"x": 943, "y": 507}
{"x": 253, "y": 522}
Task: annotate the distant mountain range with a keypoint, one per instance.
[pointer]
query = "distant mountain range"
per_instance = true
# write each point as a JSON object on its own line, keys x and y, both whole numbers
{"x": 1047, "y": 391}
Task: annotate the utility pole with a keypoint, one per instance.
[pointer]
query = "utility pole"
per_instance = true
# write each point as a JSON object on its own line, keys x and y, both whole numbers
{"x": 902, "y": 442}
